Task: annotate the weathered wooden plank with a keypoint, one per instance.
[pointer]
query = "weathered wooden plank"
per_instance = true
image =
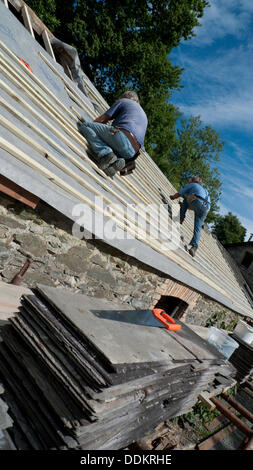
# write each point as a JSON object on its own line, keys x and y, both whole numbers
{"x": 37, "y": 24}
{"x": 6, "y": 3}
{"x": 27, "y": 20}
{"x": 204, "y": 397}
{"x": 13, "y": 190}
{"x": 47, "y": 43}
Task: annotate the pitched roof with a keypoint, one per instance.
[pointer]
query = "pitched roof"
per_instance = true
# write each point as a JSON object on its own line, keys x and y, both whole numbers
{"x": 42, "y": 150}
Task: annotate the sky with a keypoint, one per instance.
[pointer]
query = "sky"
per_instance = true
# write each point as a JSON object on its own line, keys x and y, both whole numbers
{"x": 218, "y": 87}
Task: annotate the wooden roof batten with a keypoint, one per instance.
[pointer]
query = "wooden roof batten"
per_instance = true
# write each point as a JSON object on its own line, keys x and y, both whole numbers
{"x": 57, "y": 152}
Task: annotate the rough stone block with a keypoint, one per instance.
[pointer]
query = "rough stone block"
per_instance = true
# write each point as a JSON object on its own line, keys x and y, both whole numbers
{"x": 32, "y": 245}
{"x": 99, "y": 260}
{"x": 75, "y": 259}
{"x": 37, "y": 277}
{"x": 3, "y": 232}
{"x": 101, "y": 275}
{"x": 4, "y": 252}
{"x": 11, "y": 222}
{"x": 8, "y": 273}
{"x": 122, "y": 288}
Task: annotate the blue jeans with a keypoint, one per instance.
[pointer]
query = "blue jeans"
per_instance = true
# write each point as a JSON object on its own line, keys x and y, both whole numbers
{"x": 103, "y": 140}
{"x": 200, "y": 213}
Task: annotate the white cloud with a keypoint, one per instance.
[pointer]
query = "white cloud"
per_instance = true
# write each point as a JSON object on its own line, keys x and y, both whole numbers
{"x": 241, "y": 189}
{"x": 222, "y": 18}
{"x": 232, "y": 111}
{"x": 248, "y": 224}
{"x": 218, "y": 86}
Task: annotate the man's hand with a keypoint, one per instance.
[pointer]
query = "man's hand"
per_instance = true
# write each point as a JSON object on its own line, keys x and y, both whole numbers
{"x": 103, "y": 119}
{"x": 175, "y": 196}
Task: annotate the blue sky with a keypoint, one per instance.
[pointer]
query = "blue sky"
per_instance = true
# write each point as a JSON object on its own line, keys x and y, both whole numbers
{"x": 218, "y": 87}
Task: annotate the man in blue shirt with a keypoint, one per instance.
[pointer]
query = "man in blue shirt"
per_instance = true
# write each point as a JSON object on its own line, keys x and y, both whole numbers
{"x": 114, "y": 145}
{"x": 196, "y": 198}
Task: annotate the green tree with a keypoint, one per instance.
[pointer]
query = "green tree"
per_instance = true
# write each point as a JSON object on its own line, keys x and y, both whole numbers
{"x": 120, "y": 40}
{"x": 194, "y": 151}
{"x": 46, "y": 11}
{"x": 229, "y": 229}
{"x": 126, "y": 43}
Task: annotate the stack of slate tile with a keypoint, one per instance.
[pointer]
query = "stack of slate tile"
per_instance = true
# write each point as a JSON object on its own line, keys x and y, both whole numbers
{"x": 242, "y": 360}
{"x": 76, "y": 379}
{"x": 5, "y": 423}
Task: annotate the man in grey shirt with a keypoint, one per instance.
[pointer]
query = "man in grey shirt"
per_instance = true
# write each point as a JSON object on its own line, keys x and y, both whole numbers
{"x": 116, "y": 144}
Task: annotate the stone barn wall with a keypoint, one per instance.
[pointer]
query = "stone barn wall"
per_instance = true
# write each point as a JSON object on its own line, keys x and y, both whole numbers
{"x": 86, "y": 266}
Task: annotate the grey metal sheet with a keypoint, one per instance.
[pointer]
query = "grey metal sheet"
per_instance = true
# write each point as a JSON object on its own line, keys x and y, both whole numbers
{"x": 119, "y": 342}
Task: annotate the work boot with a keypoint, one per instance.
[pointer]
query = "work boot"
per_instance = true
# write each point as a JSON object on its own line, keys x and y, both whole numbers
{"x": 192, "y": 250}
{"x": 117, "y": 166}
{"x": 106, "y": 161}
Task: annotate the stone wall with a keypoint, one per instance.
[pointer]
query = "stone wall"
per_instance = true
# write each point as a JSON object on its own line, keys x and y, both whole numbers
{"x": 89, "y": 267}
{"x": 208, "y": 312}
{"x": 60, "y": 259}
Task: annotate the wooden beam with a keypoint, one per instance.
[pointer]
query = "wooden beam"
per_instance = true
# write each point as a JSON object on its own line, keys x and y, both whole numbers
{"x": 47, "y": 43}
{"x": 37, "y": 24}
{"x": 27, "y": 20}
{"x": 99, "y": 99}
{"x": 6, "y": 3}
{"x": 20, "y": 194}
